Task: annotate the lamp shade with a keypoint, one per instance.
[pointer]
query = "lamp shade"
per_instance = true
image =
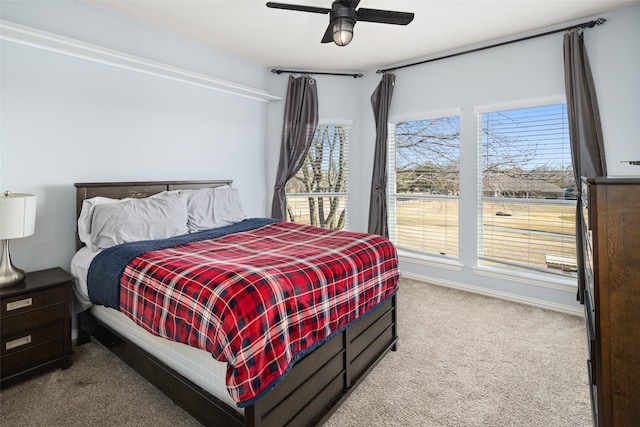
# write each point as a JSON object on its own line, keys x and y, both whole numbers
{"x": 17, "y": 215}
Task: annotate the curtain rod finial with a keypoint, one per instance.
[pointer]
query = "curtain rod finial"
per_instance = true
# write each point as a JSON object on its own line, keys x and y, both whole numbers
{"x": 600, "y": 21}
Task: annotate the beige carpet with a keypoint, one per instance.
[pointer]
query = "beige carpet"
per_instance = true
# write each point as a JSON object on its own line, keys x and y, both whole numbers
{"x": 463, "y": 360}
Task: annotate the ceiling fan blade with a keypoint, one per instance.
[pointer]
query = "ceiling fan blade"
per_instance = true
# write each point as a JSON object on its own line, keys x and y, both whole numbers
{"x": 297, "y": 7}
{"x": 328, "y": 35}
{"x": 384, "y": 16}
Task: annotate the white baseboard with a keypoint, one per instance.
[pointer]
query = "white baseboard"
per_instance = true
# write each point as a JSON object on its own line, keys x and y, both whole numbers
{"x": 562, "y": 308}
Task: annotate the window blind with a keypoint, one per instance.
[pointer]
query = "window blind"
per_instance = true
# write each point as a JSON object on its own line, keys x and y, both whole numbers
{"x": 527, "y": 191}
{"x": 424, "y": 157}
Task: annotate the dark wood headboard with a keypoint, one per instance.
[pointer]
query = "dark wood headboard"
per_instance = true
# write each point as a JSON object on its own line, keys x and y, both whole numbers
{"x": 121, "y": 190}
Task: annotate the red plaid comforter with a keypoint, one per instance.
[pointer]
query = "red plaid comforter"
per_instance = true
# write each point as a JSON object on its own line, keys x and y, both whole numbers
{"x": 259, "y": 299}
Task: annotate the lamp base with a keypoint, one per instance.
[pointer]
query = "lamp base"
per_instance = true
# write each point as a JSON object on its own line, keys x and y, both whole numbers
{"x": 9, "y": 274}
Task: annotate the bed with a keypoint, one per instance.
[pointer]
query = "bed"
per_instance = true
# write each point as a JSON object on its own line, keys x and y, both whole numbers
{"x": 313, "y": 387}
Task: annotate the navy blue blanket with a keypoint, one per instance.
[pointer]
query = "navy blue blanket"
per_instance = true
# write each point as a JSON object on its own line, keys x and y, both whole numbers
{"x": 103, "y": 277}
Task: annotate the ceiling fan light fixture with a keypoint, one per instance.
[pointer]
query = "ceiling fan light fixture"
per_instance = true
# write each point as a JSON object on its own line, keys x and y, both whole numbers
{"x": 342, "y": 31}
{"x": 343, "y": 16}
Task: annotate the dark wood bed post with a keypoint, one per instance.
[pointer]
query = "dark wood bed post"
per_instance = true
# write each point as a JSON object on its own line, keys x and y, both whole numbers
{"x": 315, "y": 387}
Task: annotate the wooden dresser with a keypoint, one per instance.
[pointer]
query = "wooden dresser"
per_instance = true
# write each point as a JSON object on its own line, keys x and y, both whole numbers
{"x": 612, "y": 297}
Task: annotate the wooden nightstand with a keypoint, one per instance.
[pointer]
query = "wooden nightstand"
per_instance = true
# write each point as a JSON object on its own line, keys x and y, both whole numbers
{"x": 35, "y": 324}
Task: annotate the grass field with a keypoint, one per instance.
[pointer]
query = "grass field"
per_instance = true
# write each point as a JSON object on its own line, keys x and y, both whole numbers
{"x": 521, "y": 233}
{"x": 299, "y": 207}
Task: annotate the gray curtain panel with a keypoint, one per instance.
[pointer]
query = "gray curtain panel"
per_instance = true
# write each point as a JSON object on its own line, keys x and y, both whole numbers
{"x": 300, "y": 122}
{"x": 380, "y": 101}
{"x": 587, "y": 147}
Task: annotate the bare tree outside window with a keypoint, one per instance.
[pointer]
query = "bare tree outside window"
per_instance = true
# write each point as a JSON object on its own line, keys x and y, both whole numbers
{"x": 427, "y": 156}
{"x": 317, "y": 195}
{"x": 525, "y": 153}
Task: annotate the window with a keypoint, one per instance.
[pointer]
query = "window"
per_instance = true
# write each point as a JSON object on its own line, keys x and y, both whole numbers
{"x": 317, "y": 194}
{"x": 528, "y": 192}
{"x": 424, "y": 185}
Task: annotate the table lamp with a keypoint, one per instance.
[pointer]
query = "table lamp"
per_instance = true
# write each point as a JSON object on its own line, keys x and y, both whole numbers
{"x": 17, "y": 219}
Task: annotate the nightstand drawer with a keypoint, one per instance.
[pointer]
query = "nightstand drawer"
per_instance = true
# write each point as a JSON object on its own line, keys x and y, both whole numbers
{"x": 31, "y": 357}
{"x": 32, "y": 338}
{"x": 31, "y": 301}
{"x": 14, "y": 324}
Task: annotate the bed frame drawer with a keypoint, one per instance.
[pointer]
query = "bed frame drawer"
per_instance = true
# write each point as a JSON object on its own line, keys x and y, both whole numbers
{"x": 300, "y": 372}
{"x": 321, "y": 387}
{"x": 325, "y": 377}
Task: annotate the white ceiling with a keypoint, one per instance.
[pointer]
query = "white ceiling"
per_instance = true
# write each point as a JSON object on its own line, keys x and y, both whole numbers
{"x": 291, "y": 40}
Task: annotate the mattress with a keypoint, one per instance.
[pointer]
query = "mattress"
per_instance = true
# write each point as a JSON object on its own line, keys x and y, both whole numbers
{"x": 194, "y": 364}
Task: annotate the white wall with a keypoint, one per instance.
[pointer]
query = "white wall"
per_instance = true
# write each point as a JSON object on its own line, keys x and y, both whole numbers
{"x": 614, "y": 53}
{"x": 67, "y": 120}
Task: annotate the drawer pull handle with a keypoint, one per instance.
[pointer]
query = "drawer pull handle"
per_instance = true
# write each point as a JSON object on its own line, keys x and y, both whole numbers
{"x": 18, "y": 342}
{"x": 19, "y": 304}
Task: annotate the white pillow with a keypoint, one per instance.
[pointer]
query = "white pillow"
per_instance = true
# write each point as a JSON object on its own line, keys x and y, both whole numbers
{"x": 158, "y": 217}
{"x": 227, "y": 206}
{"x": 213, "y": 207}
{"x": 200, "y": 209}
{"x": 86, "y": 213}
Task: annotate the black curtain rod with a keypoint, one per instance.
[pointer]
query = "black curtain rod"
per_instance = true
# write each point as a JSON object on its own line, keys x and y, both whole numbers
{"x": 589, "y": 24}
{"x": 277, "y": 71}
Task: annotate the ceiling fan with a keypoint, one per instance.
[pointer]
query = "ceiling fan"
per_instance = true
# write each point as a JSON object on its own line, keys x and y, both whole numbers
{"x": 343, "y": 16}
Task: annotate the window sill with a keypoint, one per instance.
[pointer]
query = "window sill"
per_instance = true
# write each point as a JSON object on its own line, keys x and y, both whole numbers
{"x": 430, "y": 261}
{"x": 547, "y": 281}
